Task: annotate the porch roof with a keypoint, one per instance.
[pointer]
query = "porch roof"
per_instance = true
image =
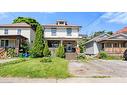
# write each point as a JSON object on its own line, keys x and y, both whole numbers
{"x": 12, "y": 36}
{"x": 59, "y": 38}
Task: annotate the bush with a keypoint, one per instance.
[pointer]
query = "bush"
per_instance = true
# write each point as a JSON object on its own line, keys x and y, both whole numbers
{"x": 81, "y": 56}
{"x": 125, "y": 55}
{"x": 46, "y": 51}
{"x": 103, "y": 55}
{"x": 60, "y": 51}
{"x": 46, "y": 59}
{"x": 11, "y": 53}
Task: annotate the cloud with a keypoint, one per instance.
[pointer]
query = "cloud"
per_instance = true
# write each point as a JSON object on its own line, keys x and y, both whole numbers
{"x": 115, "y": 17}
{"x": 3, "y": 15}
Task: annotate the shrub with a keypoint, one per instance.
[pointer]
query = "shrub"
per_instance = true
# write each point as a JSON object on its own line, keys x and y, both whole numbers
{"x": 60, "y": 51}
{"x": 81, "y": 56}
{"x": 37, "y": 49}
{"x": 46, "y": 59}
{"x": 11, "y": 53}
{"x": 103, "y": 55}
{"x": 25, "y": 47}
{"x": 125, "y": 55}
{"x": 46, "y": 51}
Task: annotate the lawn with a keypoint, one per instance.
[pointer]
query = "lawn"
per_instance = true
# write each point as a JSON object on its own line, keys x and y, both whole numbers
{"x": 33, "y": 68}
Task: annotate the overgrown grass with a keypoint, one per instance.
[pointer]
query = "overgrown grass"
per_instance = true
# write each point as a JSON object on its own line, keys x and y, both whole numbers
{"x": 33, "y": 68}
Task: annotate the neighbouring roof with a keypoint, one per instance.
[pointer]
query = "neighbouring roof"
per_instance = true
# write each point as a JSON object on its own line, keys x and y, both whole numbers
{"x": 11, "y": 36}
{"x": 99, "y": 38}
{"x": 124, "y": 30}
{"x": 16, "y": 25}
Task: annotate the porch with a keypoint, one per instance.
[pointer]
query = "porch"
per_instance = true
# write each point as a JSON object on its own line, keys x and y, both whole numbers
{"x": 11, "y": 41}
{"x": 114, "y": 47}
{"x": 69, "y": 44}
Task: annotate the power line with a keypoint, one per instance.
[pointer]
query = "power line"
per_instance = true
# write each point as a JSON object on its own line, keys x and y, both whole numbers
{"x": 93, "y": 21}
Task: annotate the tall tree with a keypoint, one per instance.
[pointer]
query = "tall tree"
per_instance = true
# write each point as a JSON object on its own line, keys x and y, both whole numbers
{"x": 37, "y": 49}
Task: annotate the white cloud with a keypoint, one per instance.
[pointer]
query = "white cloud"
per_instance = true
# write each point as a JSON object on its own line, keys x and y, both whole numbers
{"x": 3, "y": 15}
{"x": 116, "y": 17}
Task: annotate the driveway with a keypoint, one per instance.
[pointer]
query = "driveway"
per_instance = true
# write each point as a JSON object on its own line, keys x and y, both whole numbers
{"x": 99, "y": 69}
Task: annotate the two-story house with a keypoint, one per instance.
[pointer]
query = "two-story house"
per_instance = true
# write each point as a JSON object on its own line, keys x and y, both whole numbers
{"x": 62, "y": 33}
{"x": 13, "y": 35}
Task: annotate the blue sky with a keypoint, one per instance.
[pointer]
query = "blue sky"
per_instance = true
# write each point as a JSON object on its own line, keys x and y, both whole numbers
{"x": 90, "y": 21}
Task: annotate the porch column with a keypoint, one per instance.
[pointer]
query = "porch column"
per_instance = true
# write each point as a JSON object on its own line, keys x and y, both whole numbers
{"x": 112, "y": 48}
{"x": 17, "y": 45}
{"x": 61, "y": 42}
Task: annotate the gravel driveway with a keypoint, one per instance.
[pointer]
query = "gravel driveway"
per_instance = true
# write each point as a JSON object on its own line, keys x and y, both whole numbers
{"x": 99, "y": 68}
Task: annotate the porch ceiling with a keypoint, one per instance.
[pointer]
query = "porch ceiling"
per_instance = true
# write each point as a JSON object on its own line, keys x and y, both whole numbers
{"x": 12, "y": 36}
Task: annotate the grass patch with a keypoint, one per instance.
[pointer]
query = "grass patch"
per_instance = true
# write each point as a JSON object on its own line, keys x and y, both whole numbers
{"x": 33, "y": 68}
{"x": 101, "y": 76}
{"x": 114, "y": 58}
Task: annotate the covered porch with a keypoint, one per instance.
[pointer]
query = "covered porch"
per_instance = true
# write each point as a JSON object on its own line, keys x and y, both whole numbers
{"x": 114, "y": 47}
{"x": 11, "y": 41}
{"x": 69, "y": 44}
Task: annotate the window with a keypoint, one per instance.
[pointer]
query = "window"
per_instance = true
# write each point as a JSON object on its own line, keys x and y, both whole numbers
{"x": 2, "y": 43}
{"x": 53, "y": 31}
{"x": 109, "y": 45}
{"x": 123, "y": 45}
{"x": 69, "y": 31}
{"x": 19, "y": 31}
{"x": 61, "y": 22}
{"x": 115, "y": 45}
{"x": 6, "y": 31}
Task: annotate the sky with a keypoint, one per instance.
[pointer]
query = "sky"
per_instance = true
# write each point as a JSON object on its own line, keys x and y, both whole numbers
{"x": 90, "y": 21}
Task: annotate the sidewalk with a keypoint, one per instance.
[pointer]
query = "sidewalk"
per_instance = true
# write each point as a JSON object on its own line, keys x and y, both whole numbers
{"x": 68, "y": 80}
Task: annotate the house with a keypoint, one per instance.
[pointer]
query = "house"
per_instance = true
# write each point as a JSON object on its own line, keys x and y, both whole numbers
{"x": 114, "y": 44}
{"x": 13, "y": 35}
{"x": 62, "y": 33}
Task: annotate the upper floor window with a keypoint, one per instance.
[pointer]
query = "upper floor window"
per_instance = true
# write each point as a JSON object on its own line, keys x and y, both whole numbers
{"x": 69, "y": 31}
{"x": 5, "y": 31}
{"x": 19, "y": 31}
{"x": 53, "y": 31}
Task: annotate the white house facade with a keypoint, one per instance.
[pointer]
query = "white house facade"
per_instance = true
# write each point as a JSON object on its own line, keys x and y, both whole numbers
{"x": 13, "y": 35}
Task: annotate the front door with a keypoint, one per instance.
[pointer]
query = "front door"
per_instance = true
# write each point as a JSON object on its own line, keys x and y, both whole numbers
{"x": 69, "y": 47}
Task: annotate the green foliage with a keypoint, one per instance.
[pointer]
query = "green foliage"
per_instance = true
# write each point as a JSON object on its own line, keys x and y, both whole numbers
{"x": 46, "y": 59}
{"x": 32, "y": 22}
{"x": 60, "y": 51}
{"x": 33, "y": 68}
{"x": 11, "y": 53}
{"x": 13, "y": 62}
{"x": 81, "y": 56}
{"x": 37, "y": 49}
{"x": 25, "y": 47}
{"x": 46, "y": 51}
{"x": 103, "y": 55}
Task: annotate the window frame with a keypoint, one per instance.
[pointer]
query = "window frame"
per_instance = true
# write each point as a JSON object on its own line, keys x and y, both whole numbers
{"x": 69, "y": 31}
{"x": 19, "y": 32}
{"x": 53, "y": 33}
{"x": 5, "y": 31}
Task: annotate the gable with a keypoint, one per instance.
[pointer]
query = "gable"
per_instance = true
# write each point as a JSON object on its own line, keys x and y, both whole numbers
{"x": 119, "y": 37}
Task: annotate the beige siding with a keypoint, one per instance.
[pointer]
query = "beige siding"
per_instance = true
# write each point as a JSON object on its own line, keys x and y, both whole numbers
{"x": 61, "y": 32}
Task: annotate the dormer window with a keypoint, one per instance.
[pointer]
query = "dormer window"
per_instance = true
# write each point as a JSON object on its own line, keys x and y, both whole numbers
{"x": 5, "y": 31}
{"x": 61, "y": 22}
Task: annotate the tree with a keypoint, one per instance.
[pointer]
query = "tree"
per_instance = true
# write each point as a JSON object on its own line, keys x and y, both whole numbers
{"x": 32, "y": 22}
{"x": 60, "y": 51}
{"x": 46, "y": 51}
{"x": 37, "y": 49}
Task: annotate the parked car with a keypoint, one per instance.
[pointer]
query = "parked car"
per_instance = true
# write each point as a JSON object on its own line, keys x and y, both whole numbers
{"x": 125, "y": 55}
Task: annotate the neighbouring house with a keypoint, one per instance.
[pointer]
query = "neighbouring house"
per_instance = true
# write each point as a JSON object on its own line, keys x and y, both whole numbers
{"x": 62, "y": 33}
{"x": 13, "y": 35}
{"x": 114, "y": 44}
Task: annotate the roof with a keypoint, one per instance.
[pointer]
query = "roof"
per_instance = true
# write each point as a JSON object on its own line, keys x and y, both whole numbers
{"x": 54, "y": 25}
{"x": 124, "y": 30}
{"x": 99, "y": 38}
{"x": 2, "y": 36}
{"x": 16, "y": 25}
